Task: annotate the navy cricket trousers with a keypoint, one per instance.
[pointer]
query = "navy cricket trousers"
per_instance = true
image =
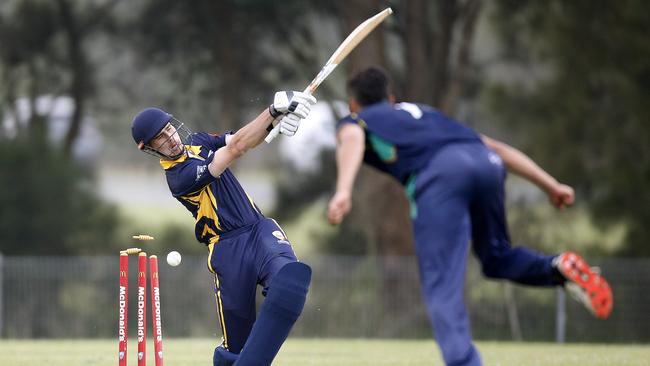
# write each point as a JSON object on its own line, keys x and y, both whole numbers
{"x": 459, "y": 198}
{"x": 242, "y": 260}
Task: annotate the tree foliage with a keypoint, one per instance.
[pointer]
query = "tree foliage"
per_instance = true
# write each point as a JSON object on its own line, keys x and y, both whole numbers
{"x": 425, "y": 47}
{"x": 43, "y": 50}
{"x": 231, "y": 52}
{"x": 48, "y": 204}
{"x": 583, "y": 109}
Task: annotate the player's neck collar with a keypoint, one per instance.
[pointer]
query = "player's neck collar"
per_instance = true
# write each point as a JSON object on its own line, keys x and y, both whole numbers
{"x": 190, "y": 152}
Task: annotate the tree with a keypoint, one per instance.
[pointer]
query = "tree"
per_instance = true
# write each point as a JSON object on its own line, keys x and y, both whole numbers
{"x": 438, "y": 39}
{"x": 432, "y": 54}
{"x": 381, "y": 213}
{"x": 42, "y": 51}
{"x": 213, "y": 47}
{"x": 381, "y": 200}
{"x": 28, "y": 59}
{"x": 421, "y": 74}
{"x": 582, "y": 110}
{"x": 48, "y": 205}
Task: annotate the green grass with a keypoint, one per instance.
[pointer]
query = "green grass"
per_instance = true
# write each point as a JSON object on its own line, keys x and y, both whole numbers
{"x": 323, "y": 352}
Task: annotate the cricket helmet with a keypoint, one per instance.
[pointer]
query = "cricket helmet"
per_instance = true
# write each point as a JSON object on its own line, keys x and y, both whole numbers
{"x": 149, "y": 122}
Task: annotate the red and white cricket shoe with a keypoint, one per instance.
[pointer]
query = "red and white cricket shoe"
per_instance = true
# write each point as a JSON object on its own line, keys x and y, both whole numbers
{"x": 585, "y": 284}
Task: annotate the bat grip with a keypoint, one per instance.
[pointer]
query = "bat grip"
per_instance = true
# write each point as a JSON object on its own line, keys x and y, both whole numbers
{"x": 273, "y": 134}
{"x": 276, "y": 130}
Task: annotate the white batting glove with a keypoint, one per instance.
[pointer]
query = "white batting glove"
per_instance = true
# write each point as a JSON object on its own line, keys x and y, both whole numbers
{"x": 289, "y": 124}
{"x": 291, "y": 102}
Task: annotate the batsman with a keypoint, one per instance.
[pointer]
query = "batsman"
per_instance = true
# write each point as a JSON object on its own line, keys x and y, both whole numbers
{"x": 245, "y": 248}
{"x": 454, "y": 180}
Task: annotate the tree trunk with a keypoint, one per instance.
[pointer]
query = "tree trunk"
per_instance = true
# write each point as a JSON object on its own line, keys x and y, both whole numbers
{"x": 429, "y": 63}
{"x": 79, "y": 68}
{"x": 37, "y": 128}
{"x": 418, "y": 44}
{"x": 381, "y": 198}
{"x": 470, "y": 15}
{"x": 446, "y": 16}
{"x": 227, "y": 49}
{"x": 370, "y": 52}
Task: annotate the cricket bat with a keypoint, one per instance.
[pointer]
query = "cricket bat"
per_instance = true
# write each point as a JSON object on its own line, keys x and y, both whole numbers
{"x": 357, "y": 35}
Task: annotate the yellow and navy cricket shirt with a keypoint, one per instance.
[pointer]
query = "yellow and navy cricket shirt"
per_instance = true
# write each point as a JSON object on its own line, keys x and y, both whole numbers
{"x": 219, "y": 205}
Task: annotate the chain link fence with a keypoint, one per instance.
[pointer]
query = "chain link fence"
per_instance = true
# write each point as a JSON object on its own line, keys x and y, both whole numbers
{"x": 76, "y": 297}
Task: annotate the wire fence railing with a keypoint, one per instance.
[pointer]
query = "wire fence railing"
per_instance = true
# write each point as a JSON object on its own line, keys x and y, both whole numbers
{"x": 76, "y": 297}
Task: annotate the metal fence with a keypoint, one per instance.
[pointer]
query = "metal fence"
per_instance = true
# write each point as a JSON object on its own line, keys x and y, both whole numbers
{"x": 74, "y": 297}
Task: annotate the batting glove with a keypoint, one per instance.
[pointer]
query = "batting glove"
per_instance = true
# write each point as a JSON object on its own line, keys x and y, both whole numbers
{"x": 289, "y": 124}
{"x": 291, "y": 102}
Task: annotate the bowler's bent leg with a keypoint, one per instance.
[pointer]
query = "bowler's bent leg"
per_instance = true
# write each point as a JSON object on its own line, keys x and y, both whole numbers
{"x": 491, "y": 239}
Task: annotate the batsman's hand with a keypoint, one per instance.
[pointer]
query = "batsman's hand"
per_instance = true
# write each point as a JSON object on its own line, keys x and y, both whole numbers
{"x": 339, "y": 206}
{"x": 285, "y": 102}
{"x": 293, "y": 106}
{"x": 561, "y": 195}
{"x": 289, "y": 124}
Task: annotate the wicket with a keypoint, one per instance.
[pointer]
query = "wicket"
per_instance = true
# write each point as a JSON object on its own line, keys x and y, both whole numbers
{"x": 123, "y": 314}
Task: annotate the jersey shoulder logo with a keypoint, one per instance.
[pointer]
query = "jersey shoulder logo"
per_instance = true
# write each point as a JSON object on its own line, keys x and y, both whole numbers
{"x": 280, "y": 236}
{"x": 200, "y": 169}
{"x": 413, "y": 109}
{"x": 494, "y": 158}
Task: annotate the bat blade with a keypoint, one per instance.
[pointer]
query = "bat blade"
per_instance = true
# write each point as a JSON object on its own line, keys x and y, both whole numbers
{"x": 352, "y": 40}
{"x": 357, "y": 35}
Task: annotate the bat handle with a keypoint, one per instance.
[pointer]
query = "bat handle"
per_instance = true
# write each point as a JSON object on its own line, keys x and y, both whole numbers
{"x": 276, "y": 130}
{"x": 273, "y": 134}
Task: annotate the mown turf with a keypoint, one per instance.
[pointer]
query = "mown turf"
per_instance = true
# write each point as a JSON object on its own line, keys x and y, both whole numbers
{"x": 323, "y": 352}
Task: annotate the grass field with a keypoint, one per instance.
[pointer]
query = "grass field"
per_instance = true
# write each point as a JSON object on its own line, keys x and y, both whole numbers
{"x": 323, "y": 352}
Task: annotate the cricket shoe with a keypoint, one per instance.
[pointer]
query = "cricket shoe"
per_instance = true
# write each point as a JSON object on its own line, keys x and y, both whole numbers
{"x": 585, "y": 284}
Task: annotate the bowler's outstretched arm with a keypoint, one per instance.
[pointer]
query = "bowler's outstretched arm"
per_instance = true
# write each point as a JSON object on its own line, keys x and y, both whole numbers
{"x": 519, "y": 163}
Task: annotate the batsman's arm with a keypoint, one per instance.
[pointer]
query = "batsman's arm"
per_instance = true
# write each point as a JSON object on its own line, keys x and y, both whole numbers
{"x": 246, "y": 138}
{"x": 519, "y": 163}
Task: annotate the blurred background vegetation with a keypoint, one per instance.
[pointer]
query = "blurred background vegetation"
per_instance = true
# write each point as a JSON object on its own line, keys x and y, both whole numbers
{"x": 566, "y": 81}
